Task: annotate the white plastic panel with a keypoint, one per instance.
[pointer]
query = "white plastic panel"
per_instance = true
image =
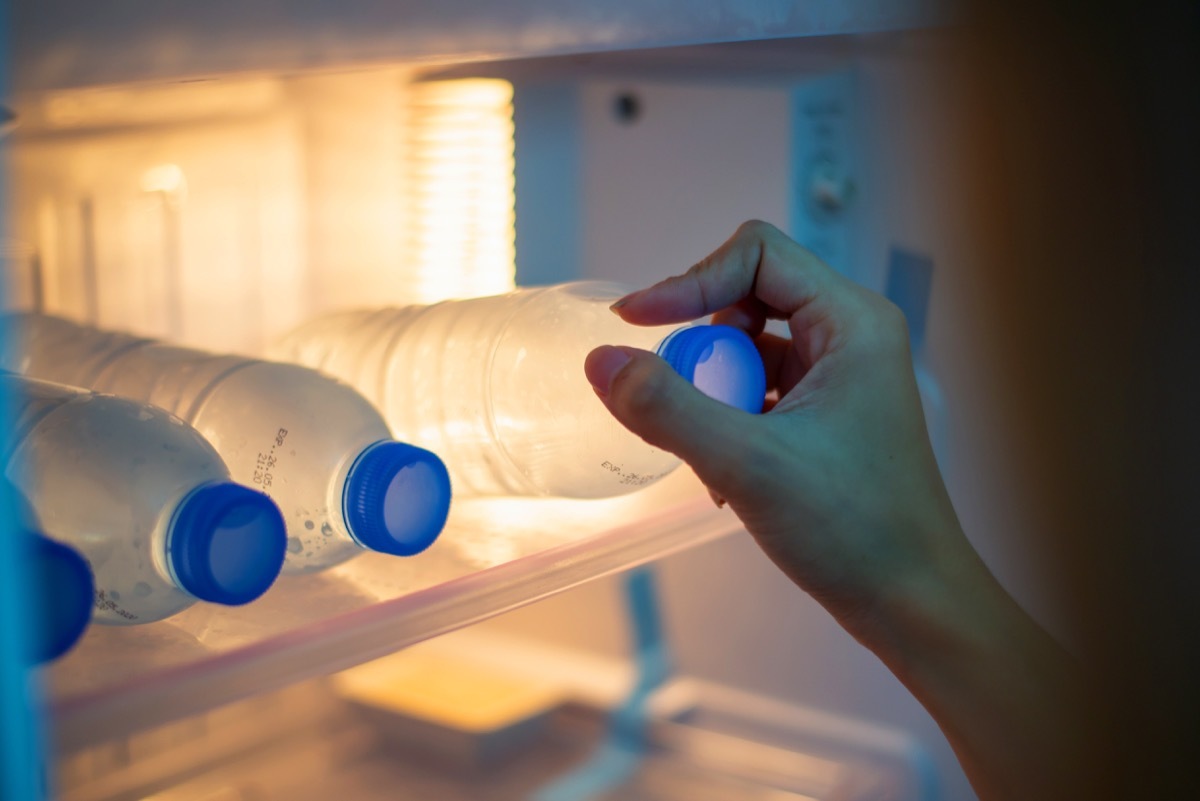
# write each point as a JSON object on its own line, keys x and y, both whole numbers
{"x": 220, "y": 213}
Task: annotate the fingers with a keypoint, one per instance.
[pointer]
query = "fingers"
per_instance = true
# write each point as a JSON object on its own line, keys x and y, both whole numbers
{"x": 749, "y": 314}
{"x": 758, "y": 261}
{"x": 780, "y": 363}
{"x": 654, "y": 402}
{"x": 717, "y": 499}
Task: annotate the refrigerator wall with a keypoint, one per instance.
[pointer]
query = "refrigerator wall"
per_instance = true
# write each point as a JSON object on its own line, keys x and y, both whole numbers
{"x": 282, "y": 182}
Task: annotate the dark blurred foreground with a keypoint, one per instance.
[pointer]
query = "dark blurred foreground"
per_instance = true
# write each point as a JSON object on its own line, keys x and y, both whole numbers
{"x": 1084, "y": 181}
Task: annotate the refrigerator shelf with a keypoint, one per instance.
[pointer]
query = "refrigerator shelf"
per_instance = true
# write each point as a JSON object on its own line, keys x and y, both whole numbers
{"x": 495, "y": 554}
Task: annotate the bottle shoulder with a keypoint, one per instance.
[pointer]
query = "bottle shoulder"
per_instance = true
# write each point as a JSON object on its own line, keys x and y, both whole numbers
{"x": 586, "y": 292}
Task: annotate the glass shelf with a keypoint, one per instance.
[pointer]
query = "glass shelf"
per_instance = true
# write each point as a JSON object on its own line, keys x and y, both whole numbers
{"x": 495, "y": 554}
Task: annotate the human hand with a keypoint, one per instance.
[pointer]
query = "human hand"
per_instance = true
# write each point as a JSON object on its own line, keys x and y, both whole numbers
{"x": 838, "y": 484}
{"x": 837, "y": 480}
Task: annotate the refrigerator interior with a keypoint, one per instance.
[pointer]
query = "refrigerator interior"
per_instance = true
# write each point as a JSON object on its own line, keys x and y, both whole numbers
{"x": 223, "y": 211}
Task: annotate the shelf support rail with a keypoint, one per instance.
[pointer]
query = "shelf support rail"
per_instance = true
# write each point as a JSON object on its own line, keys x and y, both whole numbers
{"x": 619, "y": 755}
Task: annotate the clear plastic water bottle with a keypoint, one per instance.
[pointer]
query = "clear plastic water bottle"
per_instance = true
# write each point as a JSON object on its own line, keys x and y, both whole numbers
{"x": 496, "y": 386}
{"x": 313, "y": 444}
{"x": 58, "y": 579}
{"x": 143, "y": 497}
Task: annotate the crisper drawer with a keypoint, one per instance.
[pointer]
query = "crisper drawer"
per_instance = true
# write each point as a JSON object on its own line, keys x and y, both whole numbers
{"x": 318, "y": 740}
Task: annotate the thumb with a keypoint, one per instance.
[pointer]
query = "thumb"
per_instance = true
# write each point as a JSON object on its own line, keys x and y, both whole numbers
{"x": 653, "y": 401}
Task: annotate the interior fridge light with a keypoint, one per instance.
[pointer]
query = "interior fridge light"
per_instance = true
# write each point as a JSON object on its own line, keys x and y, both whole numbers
{"x": 461, "y": 188}
{"x": 156, "y": 103}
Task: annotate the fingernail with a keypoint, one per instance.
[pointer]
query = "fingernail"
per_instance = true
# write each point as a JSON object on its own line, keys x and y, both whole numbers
{"x": 717, "y": 499}
{"x": 617, "y": 306}
{"x": 602, "y": 366}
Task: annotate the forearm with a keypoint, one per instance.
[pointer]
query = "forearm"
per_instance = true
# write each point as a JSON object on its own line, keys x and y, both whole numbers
{"x": 1012, "y": 702}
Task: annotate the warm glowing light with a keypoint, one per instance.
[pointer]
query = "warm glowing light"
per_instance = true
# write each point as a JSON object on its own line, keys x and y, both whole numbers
{"x": 462, "y": 194}
{"x": 459, "y": 694}
{"x": 166, "y": 178}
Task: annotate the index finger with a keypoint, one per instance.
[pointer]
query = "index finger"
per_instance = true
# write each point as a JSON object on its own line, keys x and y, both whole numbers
{"x": 757, "y": 261}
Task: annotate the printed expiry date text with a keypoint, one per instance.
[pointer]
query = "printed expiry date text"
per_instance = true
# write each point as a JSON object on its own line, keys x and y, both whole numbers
{"x": 266, "y": 462}
{"x": 628, "y": 477}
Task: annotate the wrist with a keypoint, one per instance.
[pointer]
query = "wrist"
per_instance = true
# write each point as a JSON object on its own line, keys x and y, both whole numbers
{"x": 939, "y": 611}
{"x": 1010, "y": 700}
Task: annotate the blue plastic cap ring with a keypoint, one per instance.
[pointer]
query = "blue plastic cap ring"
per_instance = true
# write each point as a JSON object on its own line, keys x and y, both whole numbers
{"x": 226, "y": 543}
{"x": 397, "y": 498}
{"x": 721, "y": 361}
{"x": 65, "y": 588}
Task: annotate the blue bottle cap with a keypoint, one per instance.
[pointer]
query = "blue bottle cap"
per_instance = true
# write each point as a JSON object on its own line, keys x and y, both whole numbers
{"x": 65, "y": 591}
{"x": 396, "y": 499}
{"x": 721, "y": 361}
{"x": 226, "y": 543}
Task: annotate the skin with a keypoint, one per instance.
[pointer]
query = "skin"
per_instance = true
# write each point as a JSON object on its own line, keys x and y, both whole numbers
{"x": 838, "y": 484}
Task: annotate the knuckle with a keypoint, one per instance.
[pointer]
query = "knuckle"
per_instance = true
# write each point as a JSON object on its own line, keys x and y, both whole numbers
{"x": 891, "y": 318}
{"x": 889, "y": 326}
{"x": 758, "y": 230}
{"x": 875, "y": 324}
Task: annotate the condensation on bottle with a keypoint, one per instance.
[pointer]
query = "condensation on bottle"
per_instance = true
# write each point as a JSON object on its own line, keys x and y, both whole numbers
{"x": 319, "y": 449}
{"x": 143, "y": 497}
{"x": 496, "y": 386}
